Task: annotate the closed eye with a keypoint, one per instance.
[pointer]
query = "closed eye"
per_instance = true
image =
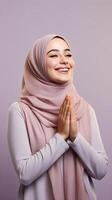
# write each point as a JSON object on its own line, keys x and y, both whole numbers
{"x": 69, "y": 55}
{"x": 53, "y": 56}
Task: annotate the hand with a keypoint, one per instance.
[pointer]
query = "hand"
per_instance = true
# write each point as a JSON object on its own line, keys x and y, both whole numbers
{"x": 73, "y": 122}
{"x": 64, "y": 118}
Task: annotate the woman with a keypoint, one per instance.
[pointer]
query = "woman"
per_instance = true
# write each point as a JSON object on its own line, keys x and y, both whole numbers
{"x": 53, "y": 135}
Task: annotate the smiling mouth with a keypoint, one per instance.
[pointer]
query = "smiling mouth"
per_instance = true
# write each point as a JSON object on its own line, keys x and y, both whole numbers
{"x": 63, "y": 69}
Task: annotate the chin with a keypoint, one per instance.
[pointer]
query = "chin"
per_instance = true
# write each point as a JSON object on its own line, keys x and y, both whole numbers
{"x": 61, "y": 78}
{"x": 62, "y": 81}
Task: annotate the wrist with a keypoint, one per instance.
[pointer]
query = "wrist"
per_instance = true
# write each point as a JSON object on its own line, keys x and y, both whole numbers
{"x": 62, "y": 135}
{"x": 72, "y": 138}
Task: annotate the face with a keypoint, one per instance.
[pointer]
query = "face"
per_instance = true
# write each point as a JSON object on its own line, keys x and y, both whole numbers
{"x": 59, "y": 61}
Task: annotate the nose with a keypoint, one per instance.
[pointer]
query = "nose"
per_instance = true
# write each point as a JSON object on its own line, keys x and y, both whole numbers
{"x": 63, "y": 59}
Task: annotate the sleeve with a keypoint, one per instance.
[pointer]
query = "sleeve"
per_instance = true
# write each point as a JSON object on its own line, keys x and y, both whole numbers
{"x": 93, "y": 156}
{"x": 29, "y": 167}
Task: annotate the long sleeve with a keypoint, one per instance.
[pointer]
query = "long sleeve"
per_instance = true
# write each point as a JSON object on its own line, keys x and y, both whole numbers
{"x": 30, "y": 167}
{"x": 93, "y": 156}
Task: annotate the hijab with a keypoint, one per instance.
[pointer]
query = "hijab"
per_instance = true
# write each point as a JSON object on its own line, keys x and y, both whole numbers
{"x": 40, "y": 102}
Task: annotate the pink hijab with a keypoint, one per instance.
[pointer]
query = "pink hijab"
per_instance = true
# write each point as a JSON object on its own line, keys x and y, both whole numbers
{"x": 40, "y": 101}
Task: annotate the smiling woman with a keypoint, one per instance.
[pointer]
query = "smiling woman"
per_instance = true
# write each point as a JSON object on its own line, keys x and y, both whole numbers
{"x": 53, "y": 134}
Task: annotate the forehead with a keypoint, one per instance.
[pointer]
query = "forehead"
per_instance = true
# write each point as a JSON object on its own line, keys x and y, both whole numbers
{"x": 57, "y": 43}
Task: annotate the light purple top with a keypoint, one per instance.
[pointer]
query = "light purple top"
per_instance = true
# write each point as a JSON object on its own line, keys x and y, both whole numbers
{"x": 32, "y": 169}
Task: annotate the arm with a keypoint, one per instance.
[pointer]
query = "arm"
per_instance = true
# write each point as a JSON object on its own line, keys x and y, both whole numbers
{"x": 29, "y": 167}
{"x": 92, "y": 155}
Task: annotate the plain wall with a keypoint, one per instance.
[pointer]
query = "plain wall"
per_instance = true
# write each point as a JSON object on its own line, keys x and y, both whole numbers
{"x": 88, "y": 26}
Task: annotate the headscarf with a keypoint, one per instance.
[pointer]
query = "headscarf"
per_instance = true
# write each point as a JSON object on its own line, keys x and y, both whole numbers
{"x": 40, "y": 102}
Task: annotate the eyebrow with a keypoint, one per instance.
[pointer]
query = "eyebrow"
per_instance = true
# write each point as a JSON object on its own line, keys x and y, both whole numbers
{"x": 57, "y": 50}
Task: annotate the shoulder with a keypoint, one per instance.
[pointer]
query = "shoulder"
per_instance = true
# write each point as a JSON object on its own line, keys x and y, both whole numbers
{"x": 14, "y": 106}
{"x": 14, "y": 109}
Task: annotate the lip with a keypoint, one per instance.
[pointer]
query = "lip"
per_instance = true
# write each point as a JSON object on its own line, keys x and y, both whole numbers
{"x": 62, "y": 68}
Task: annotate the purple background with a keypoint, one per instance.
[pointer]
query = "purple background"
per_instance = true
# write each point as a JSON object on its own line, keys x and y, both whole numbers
{"x": 88, "y": 26}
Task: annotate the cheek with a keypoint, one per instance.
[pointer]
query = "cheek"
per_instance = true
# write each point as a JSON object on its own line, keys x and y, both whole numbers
{"x": 73, "y": 62}
{"x": 51, "y": 63}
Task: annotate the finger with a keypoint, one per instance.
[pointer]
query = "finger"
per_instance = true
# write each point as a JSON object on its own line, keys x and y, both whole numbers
{"x": 63, "y": 105}
{"x": 67, "y": 110}
{"x": 61, "y": 108}
{"x": 71, "y": 95}
{"x": 72, "y": 115}
{"x": 66, "y": 105}
{"x": 67, "y": 117}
